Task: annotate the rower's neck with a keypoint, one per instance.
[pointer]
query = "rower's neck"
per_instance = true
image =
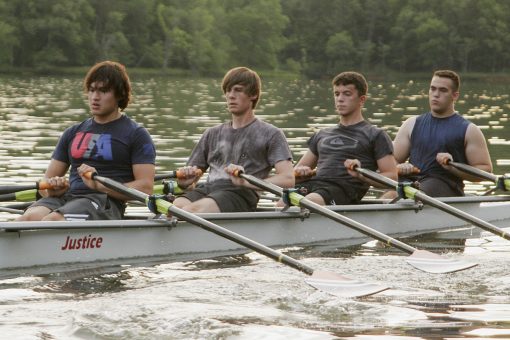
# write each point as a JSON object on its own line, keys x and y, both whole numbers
{"x": 240, "y": 121}
{"x": 103, "y": 119}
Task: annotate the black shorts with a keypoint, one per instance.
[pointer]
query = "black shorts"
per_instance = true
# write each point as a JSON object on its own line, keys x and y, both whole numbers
{"x": 331, "y": 192}
{"x": 228, "y": 197}
{"x": 84, "y": 207}
{"x": 439, "y": 187}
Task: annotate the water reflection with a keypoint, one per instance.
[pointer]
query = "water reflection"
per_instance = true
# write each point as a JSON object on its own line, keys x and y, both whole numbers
{"x": 35, "y": 111}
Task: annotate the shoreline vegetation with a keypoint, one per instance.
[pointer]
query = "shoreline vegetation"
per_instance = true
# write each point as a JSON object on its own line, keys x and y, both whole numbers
{"x": 500, "y": 77}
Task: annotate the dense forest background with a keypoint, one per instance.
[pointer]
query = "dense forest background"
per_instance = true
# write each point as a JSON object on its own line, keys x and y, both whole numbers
{"x": 311, "y": 37}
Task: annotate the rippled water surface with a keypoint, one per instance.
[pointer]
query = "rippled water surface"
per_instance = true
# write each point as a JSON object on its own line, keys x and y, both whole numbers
{"x": 249, "y": 296}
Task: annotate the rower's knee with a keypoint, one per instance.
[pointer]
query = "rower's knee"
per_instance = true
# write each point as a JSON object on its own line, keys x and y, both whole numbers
{"x": 34, "y": 214}
{"x": 54, "y": 216}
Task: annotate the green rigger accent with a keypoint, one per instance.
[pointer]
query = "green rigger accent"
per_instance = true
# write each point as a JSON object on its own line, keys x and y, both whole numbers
{"x": 409, "y": 191}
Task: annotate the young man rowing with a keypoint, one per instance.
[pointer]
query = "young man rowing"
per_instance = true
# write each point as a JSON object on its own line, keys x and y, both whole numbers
{"x": 334, "y": 150}
{"x": 110, "y": 143}
{"x": 244, "y": 143}
{"x": 430, "y": 139}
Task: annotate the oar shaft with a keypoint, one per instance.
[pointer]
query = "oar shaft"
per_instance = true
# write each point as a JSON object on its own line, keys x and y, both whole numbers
{"x": 474, "y": 171}
{"x": 461, "y": 214}
{"x": 413, "y": 192}
{"x": 312, "y": 206}
{"x": 14, "y": 188}
{"x": 165, "y": 207}
{"x": 20, "y": 196}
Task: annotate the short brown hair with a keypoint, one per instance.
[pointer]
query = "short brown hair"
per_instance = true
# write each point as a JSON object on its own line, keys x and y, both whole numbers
{"x": 112, "y": 75}
{"x": 246, "y": 77}
{"x": 354, "y": 78}
{"x": 450, "y": 75}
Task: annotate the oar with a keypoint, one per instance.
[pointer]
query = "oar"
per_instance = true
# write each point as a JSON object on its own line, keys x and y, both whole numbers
{"x": 502, "y": 182}
{"x": 169, "y": 187}
{"x": 40, "y": 185}
{"x": 174, "y": 174}
{"x": 327, "y": 281}
{"x": 413, "y": 193}
{"x": 420, "y": 259}
{"x": 32, "y": 194}
{"x": 20, "y": 196}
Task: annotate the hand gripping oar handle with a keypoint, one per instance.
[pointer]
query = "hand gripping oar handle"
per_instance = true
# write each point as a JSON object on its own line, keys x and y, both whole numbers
{"x": 326, "y": 281}
{"x": 502, "y": 182}
{"x": 413, "y": 193}
{"x": 175, "y": 174}
{"x": 420, "y": 259}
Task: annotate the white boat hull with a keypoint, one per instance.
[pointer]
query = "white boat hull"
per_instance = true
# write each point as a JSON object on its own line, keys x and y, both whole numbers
{"x": 28, "y": 244}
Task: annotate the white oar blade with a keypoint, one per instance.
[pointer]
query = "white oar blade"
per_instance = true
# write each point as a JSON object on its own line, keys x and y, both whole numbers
{"x": 342, "y": 286}
{"x": 433, "y": 263}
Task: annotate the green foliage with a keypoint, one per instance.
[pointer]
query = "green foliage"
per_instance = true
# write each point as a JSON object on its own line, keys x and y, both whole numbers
{"x": 316, "y": 38}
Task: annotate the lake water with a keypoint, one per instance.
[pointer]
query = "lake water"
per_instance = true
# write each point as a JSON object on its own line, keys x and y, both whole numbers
{"x": 250, "y": 296}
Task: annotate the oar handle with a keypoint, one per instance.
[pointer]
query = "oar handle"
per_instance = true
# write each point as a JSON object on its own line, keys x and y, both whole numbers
{"x": 414, "y": 171}
{"x": 43, "y": 185}
{"x": 176, "y": 174}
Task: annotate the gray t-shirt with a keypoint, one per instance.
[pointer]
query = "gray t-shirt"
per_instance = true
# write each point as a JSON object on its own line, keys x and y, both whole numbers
{"x": 362, "y": 141}
{"x": 257, "y": 147}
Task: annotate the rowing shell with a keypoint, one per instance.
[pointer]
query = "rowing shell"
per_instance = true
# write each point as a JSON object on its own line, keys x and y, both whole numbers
{"x": 27, "y": 244}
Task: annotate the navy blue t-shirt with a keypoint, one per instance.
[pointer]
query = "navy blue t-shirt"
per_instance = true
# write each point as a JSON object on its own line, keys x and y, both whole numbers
{"x": 111, "y": 148}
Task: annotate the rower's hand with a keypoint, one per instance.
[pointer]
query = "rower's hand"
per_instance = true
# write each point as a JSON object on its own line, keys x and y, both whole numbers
{"x": 188, "y": 175}
{"x": 82, "y": 170}
{"x": 350, "y": 164}
{"x": 59, "y": 186}
{"x": 232, "y": 169}
{"x": 303, "y": 171}
{"x": 443, "y": 158}
{"x": 406, "y": 169}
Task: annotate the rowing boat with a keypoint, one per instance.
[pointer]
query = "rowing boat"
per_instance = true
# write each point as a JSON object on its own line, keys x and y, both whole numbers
{"x": 45, "y": 244}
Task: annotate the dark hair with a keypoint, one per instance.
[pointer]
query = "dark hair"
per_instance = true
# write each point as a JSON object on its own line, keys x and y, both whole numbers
{"x": 450, "y": 75}
{"x": 246, "y": 77}
{"x": 354, "y": 78}
{"x": 112, "y": 75}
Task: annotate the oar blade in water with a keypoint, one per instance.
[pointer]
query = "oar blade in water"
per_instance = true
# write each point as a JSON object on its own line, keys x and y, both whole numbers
{"x": 433, "y": 263}
{"x": 342, "y": 286}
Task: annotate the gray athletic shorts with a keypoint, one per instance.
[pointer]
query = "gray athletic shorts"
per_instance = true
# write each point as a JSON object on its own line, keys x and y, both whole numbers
{"x": 84, "y": 207}
{"x": 331, "y": 192}
{"x": 228, "y": 197}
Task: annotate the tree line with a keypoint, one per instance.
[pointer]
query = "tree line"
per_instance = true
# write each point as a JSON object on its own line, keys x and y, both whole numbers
{"x": 314, "y": 38}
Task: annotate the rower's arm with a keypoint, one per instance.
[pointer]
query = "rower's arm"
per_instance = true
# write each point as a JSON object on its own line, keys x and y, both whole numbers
{"x": 387, "y": 166}
{"x": 477, "y": 154}
{"x": 144, "y": 181}
{"x": 304, "y": 167}
{"x": 284, "y": 175}
{"x": 402, "y": 142}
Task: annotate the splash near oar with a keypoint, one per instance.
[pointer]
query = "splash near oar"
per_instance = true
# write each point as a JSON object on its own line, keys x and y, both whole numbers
{"x": 408, "y": 191}
{"x": 326, "y": 281}
{"x": 420, "y": 259}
